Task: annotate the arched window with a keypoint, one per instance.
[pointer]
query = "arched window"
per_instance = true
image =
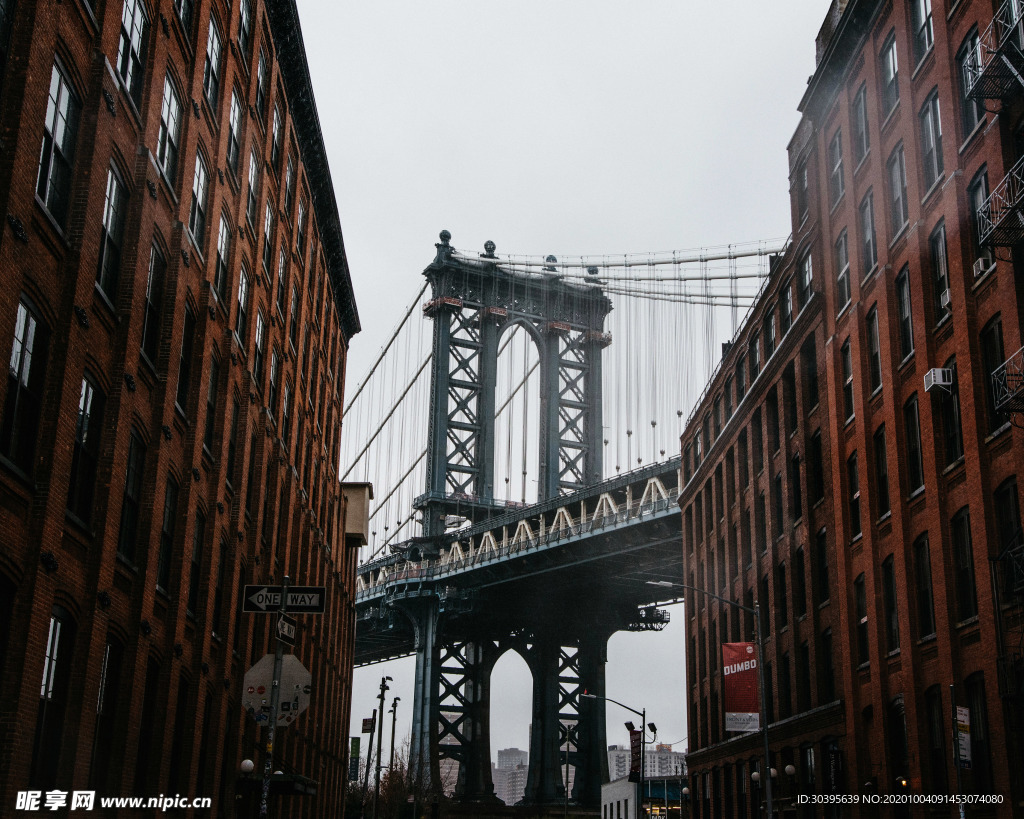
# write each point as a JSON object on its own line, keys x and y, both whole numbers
{"x": 53, "y": 700}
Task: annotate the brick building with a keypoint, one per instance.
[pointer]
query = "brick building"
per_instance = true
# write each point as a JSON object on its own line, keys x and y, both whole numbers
{"x": 852, "y": 467}
{"x": 176, "y": 310}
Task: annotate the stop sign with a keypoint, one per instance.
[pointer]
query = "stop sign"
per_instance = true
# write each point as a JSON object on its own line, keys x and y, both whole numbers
{"x": 296, "y": 686}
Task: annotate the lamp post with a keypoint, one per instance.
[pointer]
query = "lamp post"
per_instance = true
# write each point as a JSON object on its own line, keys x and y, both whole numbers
{"x": 380, "y": 741}
{"x": 394, "y": 719}
{"x": 643, "y": 735}
{"x": 756, "y": 611}
{"x": 684, "y": 799}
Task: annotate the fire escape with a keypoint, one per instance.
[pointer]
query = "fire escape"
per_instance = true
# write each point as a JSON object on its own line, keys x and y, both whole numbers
{"x": 995, "y": 71}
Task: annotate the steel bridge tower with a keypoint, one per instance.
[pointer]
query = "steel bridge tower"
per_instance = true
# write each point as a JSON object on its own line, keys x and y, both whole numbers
{"x": 473, "y": 301}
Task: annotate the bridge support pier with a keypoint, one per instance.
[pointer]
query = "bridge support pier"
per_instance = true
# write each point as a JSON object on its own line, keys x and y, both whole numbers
{"x": 423, "y": 767}
{"x": 544, "y": 780}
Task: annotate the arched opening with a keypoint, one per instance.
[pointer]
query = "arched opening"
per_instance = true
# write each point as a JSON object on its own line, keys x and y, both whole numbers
{"x": 517, "y": 417}
{"x": 510, "y": 720}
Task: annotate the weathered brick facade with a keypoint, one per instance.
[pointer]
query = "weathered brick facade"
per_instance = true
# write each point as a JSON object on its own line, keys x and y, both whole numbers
{"x": 883, "y": 570}
{"x": 170, "y": 432}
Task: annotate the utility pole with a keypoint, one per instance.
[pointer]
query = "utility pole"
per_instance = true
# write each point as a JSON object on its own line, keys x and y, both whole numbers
{"x": 275, "y": 702}
{"x": 380, "y": 741}
{"x": 369, "y": 762}
{"x": 394, "y": 719}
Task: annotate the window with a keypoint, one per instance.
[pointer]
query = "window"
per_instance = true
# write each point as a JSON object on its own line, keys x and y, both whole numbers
{"x": 778, "y": 519}
{"x": 786, "y": 306}
{"x": 151, "y": 310}
{"x": 898, "y": 190}
{"x": 86, "y": 453}
{"x": 276, "y": 138}
{"x": 889, "y": 70}
{"x": 921, "y": 19}
{"x": 131, "y": 52}
{"x": 769, "y": 332}
{"x": 892, "y": 621}
{"x": 869, "y": 250}
{"x": 771, "y": 411}
{"x": 262, "y": 83}
{"x": 300, "y": 229}
{"x": 184, "y": 9}
{"x": 211, "y": 404}
{"x": 130, "y": 503}
{"x": 977, "y": 197}
{"x": 847, "y": 363}
{"x": 843, "y": 272}
{"x": 258, "y": 351}
{"x": 741, "y": 374}
{"x": 289, "y": 186}
{"x": 104, "y": 768}
{"x": 992, "y": 357}
{"x": 268, "y": 244}
{"x": 906, "y": 322}
{"x": 275, "y": 364}
{"x": 968, "y": 60}
{"x": 963, "y": 563}
{"x": 25, "y": 377}
{"x": 220, "y": 274}
{"x": 799, "y": 584}
{"x": 197, "y": 212}
{"x": 163, "y": 572}
{"x": 245, "y": 29}
{"x": 936, "y": 717}
{"x": 881, "y": 473}
{"x": 821, "y": 550}
{"x": 931, "y": 139}
{"x": 753, "y": 355}
{"x": 912, "y": 431}
{"x": 801, "y": 193}
{"x": 218, "y": 590}
{"x": 861, "y": 602}
{"x": 923, "y": 588}
{"x": 816, "y": 469}
{"x": 170, "y": 130}
{"x": 286, "y": 419}
{"x": 211, "y": 68}
{"x": 280, "y": 281}
{"x": 854, "y": 503}
{"x": 232, "y": 441}
{"x": 293, "y": 328}
{"x": 836, "y": 184}
{"x": 874, "y": 351}
{"x": 861, "y": 140}
{"x": 53, "y": 186}
{"x": 795, "y": 493}
{"x": 727, "y": 391}
{"x": 949, "y": 411}
{"x": 899, "y": 749}
{"x": 804, "y": 281}
{"x": 242, "y": 320}
{"x": 1007, "y": 505}
{"x": 785, "y": 687}
{"x": 809, "y": 371}
{"x": 981, "y": 756}
{"x": 185, "y": 361}
{"x": 252, "y": 198}
{"x": 234, "y": 132}
{"x": 196, "y": 563}
{"x": 757, "y": 437}
{"x": 53, "y": 699}
{"x": 111, "y": 234}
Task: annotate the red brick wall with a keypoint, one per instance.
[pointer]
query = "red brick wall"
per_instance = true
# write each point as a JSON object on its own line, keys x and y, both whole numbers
{"x": 56, "y": 269}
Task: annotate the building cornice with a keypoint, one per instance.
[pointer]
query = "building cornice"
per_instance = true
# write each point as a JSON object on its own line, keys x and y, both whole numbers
{"x": 291, "y": 56}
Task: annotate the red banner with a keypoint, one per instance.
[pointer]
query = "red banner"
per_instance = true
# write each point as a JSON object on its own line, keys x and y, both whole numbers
{"x": 635, "y": 746}
{"x": 739, "y": 666}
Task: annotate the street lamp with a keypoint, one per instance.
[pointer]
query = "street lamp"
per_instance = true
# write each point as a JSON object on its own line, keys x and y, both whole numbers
{"x": 756, "y": 611}
{"x": 684, "y": 799}
{"x": 643, "y": 735}
{"x": 380, "y": 740}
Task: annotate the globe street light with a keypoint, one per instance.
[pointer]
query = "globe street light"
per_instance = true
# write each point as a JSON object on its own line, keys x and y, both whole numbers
{"x": 756, "y": 611}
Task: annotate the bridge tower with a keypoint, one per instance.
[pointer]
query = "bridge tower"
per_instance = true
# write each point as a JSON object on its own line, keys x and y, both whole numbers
{"x": 474, "y": 300}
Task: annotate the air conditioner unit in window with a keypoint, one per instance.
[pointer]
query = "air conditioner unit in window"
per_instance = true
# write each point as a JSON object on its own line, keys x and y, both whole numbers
{"x": 938, "y": 377}
{"x": 944, "y": 299}
{"x": 981, "y": 266}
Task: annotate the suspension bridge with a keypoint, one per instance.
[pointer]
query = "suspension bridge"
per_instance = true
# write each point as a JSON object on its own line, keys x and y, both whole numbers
{"x": 522, "y": 436}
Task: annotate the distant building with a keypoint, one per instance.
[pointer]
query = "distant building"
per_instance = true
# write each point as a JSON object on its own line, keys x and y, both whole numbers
{"x": 509, "y": 775}
{"x": 660, "y": 762}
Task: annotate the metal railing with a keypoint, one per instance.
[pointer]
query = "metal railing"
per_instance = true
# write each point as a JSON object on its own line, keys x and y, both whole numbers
{"x": 1008, "y": 384}
{"x": 988, "y": 71}
{"x": 1000, "y": 219}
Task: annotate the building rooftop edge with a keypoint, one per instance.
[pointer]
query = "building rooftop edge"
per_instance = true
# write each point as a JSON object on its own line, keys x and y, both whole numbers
{"x": 291, "y": 54}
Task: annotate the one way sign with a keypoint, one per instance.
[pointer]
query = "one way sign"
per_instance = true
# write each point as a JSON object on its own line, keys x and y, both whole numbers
{"x": 301, "y": 599}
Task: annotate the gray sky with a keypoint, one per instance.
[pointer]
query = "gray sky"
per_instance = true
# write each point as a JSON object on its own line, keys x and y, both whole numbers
{"x": 569, "y": 128}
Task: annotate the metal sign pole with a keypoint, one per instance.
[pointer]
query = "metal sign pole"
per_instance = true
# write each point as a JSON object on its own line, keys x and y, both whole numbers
{"x": 275, "y": 701}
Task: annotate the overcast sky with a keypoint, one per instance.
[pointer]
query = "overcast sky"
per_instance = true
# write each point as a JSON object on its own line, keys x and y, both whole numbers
{"x": 569, "y": 127}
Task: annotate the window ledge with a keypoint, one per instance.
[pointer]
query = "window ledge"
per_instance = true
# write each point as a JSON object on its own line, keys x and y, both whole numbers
{"x": 894, "y": 653}
{"x": 126, "y": 563}
{"x": 862, "y": 161}
{"x": 870, "y": 274}
{"x": 998, "y": 433}
{"x": 79, "y": 524}
{"x": 891, "y": 116}
{"x": 928, "y": 638}
{"x": 53, "y": 222}
{"x": 856, "y": 539}
{"x": 844, "y": 309}
{"x": 984, "y": 277}
{"x": 916, "y": 493}
{"x": 824, "y": 604}
{"x": 18, "y": 473}
{"x": 959, "y": 462}
{"x": 906, "y": 360}
{"x": 900, "y": 234}
{"x": 835, "y": 205}
{"x": 936, "y": 185}
{"x": 105, "y": 300}
{"x": 978, "y": 128}
{"x": 921, "y": 62}
{"x": 970, "y": 621}
{"x": 884, "y": 518}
